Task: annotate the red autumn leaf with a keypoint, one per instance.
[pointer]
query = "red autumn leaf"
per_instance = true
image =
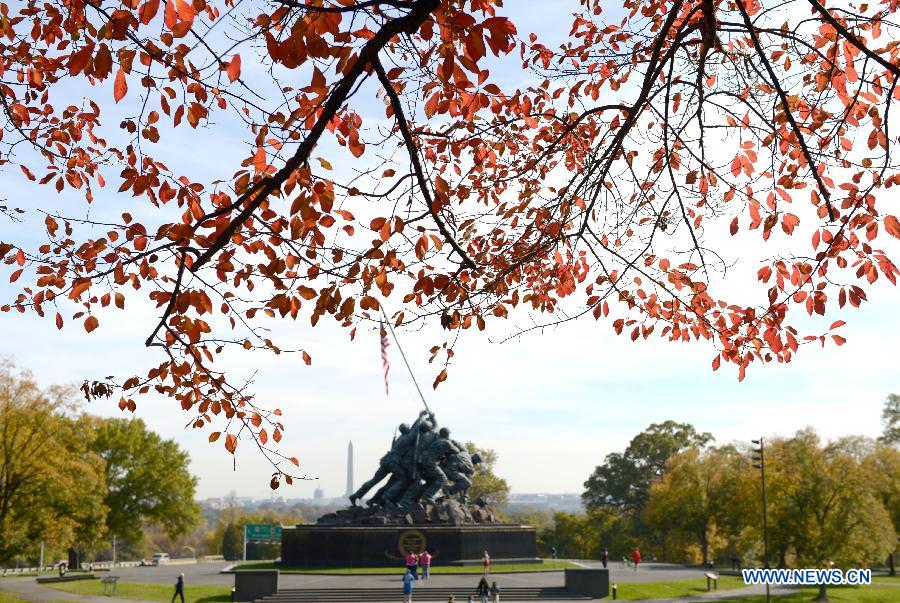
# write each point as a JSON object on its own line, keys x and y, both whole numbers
{"x": 147, "y": 11}
{"x": 186, "y": 11}
{"x": 234, "y": 68}
{"x": 789, "y": 222}
{"x": 79, "y": 60}
{"x": 231, "y": 443}
{"x": 442, "y": 376}
{"x": 892, "y": 225}
{"x": 91, "y": 323}
{"x": 171, "y": 14}
{"x": 259, "y": 160}
{"x": 120, "y": 87}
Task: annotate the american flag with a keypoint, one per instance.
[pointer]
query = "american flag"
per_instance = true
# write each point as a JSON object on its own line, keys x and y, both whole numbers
{"x": 384, "y": 357}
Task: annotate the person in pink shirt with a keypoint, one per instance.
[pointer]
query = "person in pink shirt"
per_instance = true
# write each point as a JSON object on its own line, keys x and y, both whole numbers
{"x": 486, "y": 561}
{"x": 412, "y": 562}
{"x": 425, "y": 562}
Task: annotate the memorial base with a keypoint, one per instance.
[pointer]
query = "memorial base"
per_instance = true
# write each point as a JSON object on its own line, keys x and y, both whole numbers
{"x": 374, "y": 546}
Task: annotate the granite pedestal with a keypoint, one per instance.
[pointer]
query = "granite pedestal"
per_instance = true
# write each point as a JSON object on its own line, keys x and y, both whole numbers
{"x": 251, "y": 585}
{"x": 372, "y": 546}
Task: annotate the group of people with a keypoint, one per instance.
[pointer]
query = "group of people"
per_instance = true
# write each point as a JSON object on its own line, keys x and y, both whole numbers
{"x": 487, "y": 593}
{"x": 423, "y": 461}
{"x": 604, "y": 557}
{"x": 414, "y": 561}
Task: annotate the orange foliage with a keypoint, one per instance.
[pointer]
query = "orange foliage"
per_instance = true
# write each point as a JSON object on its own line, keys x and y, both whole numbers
{"x": 612, "y": 184}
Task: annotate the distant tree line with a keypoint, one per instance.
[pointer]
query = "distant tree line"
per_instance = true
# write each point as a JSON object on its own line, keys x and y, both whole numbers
{"x": 682, "y": 499}
{"x": 75, "y": 481}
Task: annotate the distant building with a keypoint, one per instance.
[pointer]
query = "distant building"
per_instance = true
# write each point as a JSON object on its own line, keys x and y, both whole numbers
{"x": 319, "y": 494}
{"x": 546, "y": 501}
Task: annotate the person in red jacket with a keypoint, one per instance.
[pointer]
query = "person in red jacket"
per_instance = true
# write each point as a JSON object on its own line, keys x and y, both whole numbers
{"x": 636, "y": 557}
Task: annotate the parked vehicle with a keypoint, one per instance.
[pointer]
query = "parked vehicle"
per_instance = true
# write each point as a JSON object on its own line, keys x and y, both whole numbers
{"x": 159, "y": 558}
{"x": 60, "y": 563}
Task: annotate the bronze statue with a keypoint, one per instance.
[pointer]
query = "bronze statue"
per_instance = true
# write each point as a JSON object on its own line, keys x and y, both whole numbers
{"x": 459, "y": 469}
{"x": 390, "y": 463}
{"x": 422, "y": 464}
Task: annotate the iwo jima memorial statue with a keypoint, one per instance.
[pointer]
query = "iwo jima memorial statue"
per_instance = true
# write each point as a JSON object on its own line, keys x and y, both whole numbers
{"x": 423, "y": 504}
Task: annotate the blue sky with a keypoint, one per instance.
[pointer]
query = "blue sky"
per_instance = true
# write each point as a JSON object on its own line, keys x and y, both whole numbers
{"x": 551, "y": 404}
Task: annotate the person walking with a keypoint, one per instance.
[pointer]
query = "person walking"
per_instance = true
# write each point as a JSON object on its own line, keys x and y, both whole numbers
{"x": 425, "y": 562}
{"x": 483, "y": 590}
{"x": 451, "y": 599}
{"x": 412, "y": 564}
{"x": 495, "y": 593}
{"x": 604, "y": 557}
{"x": 408, "y": 580}
{"x": 486, "y": 561}
{"x": 553, "y": 553}
{"x": 179, "y": 588}
{"x": 636, "y": 557}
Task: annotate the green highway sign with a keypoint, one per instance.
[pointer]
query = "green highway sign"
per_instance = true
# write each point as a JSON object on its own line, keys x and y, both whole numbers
{"x": 261, "y": 532}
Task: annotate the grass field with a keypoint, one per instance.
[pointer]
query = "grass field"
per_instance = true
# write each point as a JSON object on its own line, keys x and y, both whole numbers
{"x": 548, "y": 566}
{"x": 633, "y": 591}
{"x": 149, "y": 592}
{"x": 882, "y": 590}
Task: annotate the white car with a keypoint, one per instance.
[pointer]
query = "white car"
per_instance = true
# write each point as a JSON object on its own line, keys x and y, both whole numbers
{"x": 159, "y": 558}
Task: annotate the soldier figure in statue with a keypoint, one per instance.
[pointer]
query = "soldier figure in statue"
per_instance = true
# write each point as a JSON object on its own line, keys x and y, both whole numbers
{"x": 395, "y": 495}
{"x": 459, "y": 469}
{"x": 431, "y": 452}
{"x": 391, "y": 463}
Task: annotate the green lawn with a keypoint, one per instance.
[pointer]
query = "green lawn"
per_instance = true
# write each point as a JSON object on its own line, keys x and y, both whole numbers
{"x": 632, "y": 591}
{"x": 548, "y": 566}
{"x": 148, "y": 592}
{"x": 883, "y": 590}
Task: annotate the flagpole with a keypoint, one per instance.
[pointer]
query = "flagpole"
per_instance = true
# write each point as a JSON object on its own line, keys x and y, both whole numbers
{"x": 403, "y": 355}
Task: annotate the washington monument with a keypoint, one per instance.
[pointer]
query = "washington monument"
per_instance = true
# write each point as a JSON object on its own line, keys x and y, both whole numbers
{"x": 349, "y": 469}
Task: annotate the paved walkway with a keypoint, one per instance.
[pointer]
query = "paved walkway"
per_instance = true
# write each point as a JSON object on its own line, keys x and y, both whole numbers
{"x": 32, "y": 591}
{"x": 208, "y": 573}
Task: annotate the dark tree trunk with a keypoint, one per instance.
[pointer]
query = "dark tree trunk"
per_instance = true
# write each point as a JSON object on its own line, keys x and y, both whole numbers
{"x": 823, "y": 593}
{"x": 891, "y": 564}
{"x": 73, "y": 559}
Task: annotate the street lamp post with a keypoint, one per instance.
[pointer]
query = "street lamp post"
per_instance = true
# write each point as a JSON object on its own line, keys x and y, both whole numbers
{"x": 759, "y": 462}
